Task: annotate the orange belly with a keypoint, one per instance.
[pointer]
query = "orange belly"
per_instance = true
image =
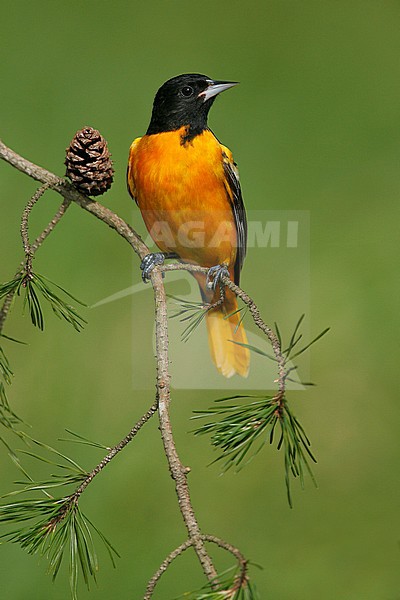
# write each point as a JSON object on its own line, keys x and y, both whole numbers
{"x": 181, "y": 192}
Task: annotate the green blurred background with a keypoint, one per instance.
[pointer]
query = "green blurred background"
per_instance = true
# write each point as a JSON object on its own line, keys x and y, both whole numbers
{"x": 314, "y": 126}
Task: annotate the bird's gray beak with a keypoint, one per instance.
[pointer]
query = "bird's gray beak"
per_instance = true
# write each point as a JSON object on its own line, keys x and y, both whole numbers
{"x": 216, "y": 87}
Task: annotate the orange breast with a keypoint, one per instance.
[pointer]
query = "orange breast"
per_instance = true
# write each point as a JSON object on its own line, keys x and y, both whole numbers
{"x": 181, "y": 192}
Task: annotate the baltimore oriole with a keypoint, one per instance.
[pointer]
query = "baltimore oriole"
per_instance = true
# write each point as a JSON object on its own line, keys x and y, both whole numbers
{"x": 187, "y": 187}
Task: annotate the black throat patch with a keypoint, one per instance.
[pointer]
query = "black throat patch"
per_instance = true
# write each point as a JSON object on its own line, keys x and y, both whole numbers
{"x": 190, "y": 133}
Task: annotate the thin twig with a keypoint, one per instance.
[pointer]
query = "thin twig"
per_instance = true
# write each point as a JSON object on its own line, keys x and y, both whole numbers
{"x": 271, "y": 335}
{"x": 33, "y": 248}
{"x": 243, "y": 562}
{"x": 226, "y": 546}
{"x": 178, "y": 551}
{"x": 115, "y": 450}
{"x": 25, "y": 227}
{"x": 164, "y": 566}
{"x": 177, "y": 469}
{"x": 47, "y": 230}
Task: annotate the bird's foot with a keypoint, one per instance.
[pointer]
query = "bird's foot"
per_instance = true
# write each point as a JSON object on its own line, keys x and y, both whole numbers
{"x": 214, "y": 275}
{"x": 149, "y": 262}
{"x": 152, "y": 260}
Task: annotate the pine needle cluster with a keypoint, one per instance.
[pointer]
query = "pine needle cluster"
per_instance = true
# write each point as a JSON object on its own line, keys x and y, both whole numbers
{"x": 7, "y": 418}
{"x": 190, "y": 313}
{"x": 232, "y": 584}
{"x": 32, "y": 286}
{"x": 241, "y": 429}
{"x": 54, "y": 527}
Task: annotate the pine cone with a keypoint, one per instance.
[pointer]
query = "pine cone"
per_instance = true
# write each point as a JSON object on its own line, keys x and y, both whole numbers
{"x": 88, "y": 162}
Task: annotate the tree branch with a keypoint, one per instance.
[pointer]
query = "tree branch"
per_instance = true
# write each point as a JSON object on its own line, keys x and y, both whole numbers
{"x": 69, "y": 192}
{"x": 242, "y": 561}
{"x": 115, "y": 450}
{"x": 178, "y": 471}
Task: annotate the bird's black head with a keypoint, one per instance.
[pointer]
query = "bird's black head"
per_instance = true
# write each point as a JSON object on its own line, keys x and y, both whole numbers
{"x": 185, "y": 101}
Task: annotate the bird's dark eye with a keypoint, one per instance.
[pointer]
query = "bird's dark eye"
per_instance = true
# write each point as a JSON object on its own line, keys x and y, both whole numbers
{"x": 187, "y": 91}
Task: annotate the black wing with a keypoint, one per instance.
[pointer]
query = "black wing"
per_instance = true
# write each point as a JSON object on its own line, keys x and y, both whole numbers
{"x": 239, "y": 212}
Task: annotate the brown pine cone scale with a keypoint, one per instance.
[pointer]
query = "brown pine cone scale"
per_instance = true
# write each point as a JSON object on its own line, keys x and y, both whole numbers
{"x": 88, "y": 162}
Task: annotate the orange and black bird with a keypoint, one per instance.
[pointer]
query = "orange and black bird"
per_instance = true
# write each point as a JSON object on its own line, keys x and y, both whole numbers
{"x": 186, "y": 185}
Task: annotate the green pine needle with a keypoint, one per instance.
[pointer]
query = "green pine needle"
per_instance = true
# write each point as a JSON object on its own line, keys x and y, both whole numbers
{"x": 229, "y": 588}
{"x": 11, "y": 339}
{"x": 240, "y": 431}
{"x": 318, "y": 337}
{"x": 7, "y": 417}
{"x": 63, "y": 310}
{"x": 57, "y": 459}
{"x": 287, "y": 351}
{"x": 294, "y": 340}
{"x": 58, "y": 528}
{"x": 80, "y": 439}
{"x": 244, "y": 310}
{"x": 5, "y": 369}
{"x": 10, "y": 286}
{"x": 32, "y": 286}
{"x": 191, "y": 313}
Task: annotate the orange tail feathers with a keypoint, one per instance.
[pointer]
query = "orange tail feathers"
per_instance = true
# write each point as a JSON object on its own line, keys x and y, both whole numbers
{"x": 229, "y": 357}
